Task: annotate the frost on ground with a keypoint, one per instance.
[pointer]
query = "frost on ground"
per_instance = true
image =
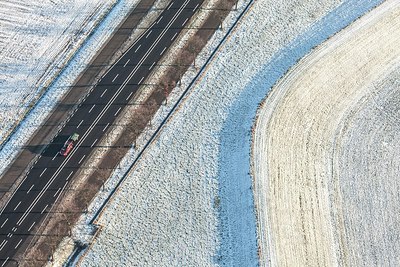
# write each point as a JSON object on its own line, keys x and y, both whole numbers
{"x": 63, "y": 82}
{"x": 189, "y": 200}
{"x": 37, "y": 39}
{"x": 326, "y": 159}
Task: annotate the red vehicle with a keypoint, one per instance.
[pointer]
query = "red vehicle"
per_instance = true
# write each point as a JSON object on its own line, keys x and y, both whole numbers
{"x": 69, "y": 144}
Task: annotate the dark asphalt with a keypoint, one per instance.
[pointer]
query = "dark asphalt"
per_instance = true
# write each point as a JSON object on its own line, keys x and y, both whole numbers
{"x": 52, "y": 173}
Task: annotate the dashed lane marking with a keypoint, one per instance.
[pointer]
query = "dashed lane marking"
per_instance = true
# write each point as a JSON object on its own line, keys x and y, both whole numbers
{"x": 43, "y": 172}
{"x": 116, "y": 112}
{"x": 141, "y": 80}
{"x": 115, "y": 78}
{"x": 81, "y": 159}
{"x": 19, "y": 203}
{"x": 194, "y": 9}
{"x": 152, "y": 65}
{"x": 79, "y": 124}
{"x": 173, "y": 37}
{"x": 185, "y": 21}
{"x": 137, "y": 48}
{"x": 129, "y": 95}
{"x": 4, "y": 223}
{"x": 106, "y": 127}
{"x": 44, "y": 209}
{"x": 29, "y": 190}
{"x": 18, "y": 244}
{"x": 149, "y": 34}
{"x": 127, "y": 62}
{"x": 69, "y": 175}
{"x": 30, "y": 228}
{"x": 90, "y": 110}
{"x": 103, "y": 93}
{"x": 94, "y": 143}
{"x": 58, "y": 190}
{"x": 162, "y": 52}
{"x": 159, "y": 19}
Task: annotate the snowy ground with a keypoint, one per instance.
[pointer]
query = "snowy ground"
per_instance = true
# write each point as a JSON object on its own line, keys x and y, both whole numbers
{"x": 75, "y": 66}
{"x": 37, "y": 39}
{"x": 326, "y": 159}
{"x": 189, "y": 202}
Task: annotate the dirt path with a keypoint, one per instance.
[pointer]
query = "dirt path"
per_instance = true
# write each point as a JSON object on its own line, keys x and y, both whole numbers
{"x": 298, "y": 173}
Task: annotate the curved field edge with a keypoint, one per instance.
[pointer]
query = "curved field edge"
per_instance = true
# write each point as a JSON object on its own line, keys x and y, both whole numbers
{"x": 298, "y": 168}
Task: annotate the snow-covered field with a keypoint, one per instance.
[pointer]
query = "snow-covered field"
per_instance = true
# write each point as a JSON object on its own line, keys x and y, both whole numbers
{"x": 326, "y": 152}
{"x": 189, "y": 200}
{"x": 37, "y": 39}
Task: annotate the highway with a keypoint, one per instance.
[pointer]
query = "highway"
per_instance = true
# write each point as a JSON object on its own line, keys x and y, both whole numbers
{"x": 52, "y": 173}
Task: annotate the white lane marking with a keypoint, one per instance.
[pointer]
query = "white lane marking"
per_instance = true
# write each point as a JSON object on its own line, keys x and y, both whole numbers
{"x": 194, "y": 9}
{"x": 159, "y": 19}
{"x": 4, "y": 263}
{"x": 30, "y": 189}
{"x": 19, "y": 203}
{"x": 185, "y": 21}
{"x": 106, "y": 127}
{"x": 18, "y": 243}
{"x": 127, "y": 62}
{"x": 152, "y": 65}
{"x": 170, "y": 5}
{"x": 98, "y": 118}
{"x": 148, "y": 33}
{"x": 4, "y": 223}
{"x": 103, "y": 93}
{"x": 90, "y": 110}
{"x": 94, "y": 143}
{"x": 30, "y": 228}
{"x": 14, "y": 229}
{"x": 79, "y": 124}
{"x": 81, "y": 159}
{"x": 129, "y": 95}
{"x": 9, "y": 235}
{"x": 69, "y": 175}
{"x": 3, "y": 244}
{"x": 162, "y": 52}
{"x": 43, "y": 172}
{"x": 55, "y": 156}
{"x": 141, "y": 80}
{"x": 44, "y": 209}
{"x": 116, "y": 112}
{"x": 138, "y": 48}
{"x": 115, "y": 78}
{"x": 173, "y": 37}
{"x": 58, "y": 190}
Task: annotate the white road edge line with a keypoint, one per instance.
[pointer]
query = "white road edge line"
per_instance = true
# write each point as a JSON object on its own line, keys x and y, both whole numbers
{"x": 88, "y": 131}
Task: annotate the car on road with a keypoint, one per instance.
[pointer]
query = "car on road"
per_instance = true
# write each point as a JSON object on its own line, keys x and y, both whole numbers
{"x": 69, "y": 144}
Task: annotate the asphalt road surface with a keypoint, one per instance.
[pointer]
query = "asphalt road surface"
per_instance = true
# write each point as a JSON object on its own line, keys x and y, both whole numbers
{"x": 52, "y": 173}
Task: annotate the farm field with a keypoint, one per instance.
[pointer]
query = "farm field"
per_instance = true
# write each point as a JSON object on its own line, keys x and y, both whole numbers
{"x": 325, "y": 152}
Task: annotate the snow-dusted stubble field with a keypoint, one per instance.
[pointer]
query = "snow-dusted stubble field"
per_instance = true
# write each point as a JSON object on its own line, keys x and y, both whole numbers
{"x": 37, "y": 38}
{"x": 189, "y": 200}
{"x": 325, "y": 152}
